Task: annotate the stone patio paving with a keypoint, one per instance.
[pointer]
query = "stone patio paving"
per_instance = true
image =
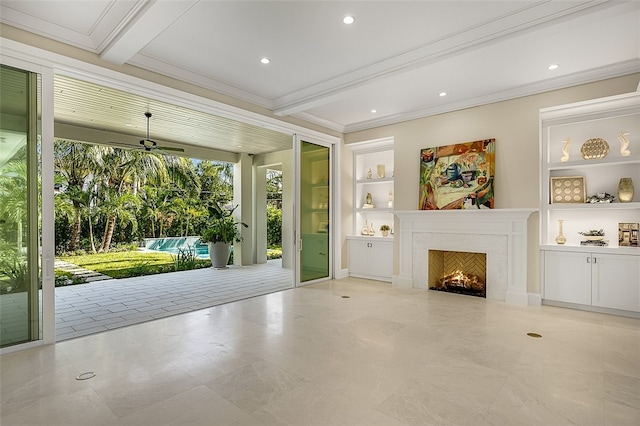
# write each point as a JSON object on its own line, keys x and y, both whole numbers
{"x": 105, "y": 305}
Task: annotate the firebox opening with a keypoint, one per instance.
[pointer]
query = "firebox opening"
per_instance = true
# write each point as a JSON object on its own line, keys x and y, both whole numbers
{"x": 458, "y": 272}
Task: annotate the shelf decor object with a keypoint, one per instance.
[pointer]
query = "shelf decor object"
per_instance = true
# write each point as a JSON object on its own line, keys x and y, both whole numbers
{"x": 601, "y": 198}
{"x": 565, "y": 150}
{"x": 628, "y": 234}
{"x": 570, "y": 189}
{"x": 625, "y": 190}
{"x": 451, "y": 174}
{"x": 624, "y": 143}
{"x": 380, "y": 171}
{"x": 594, "y": 148}
{"x": 560, "y": 239}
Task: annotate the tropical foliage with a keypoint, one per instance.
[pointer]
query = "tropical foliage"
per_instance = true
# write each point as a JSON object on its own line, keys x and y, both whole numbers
{"x": 113, "y": 196}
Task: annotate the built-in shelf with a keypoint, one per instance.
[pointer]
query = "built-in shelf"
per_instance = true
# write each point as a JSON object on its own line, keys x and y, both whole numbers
{"x": 606, "y": 278}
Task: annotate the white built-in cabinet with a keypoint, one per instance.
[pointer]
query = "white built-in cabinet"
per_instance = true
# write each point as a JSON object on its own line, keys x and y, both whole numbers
{"x": 592, "y": 279}
{"x": 584, "y": 276}
{"x": 371, "y": 256}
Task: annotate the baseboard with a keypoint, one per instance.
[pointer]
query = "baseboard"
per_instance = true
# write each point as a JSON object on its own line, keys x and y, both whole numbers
{"x": 341, "y": 273}
{"x": 535, "y": 299}
{"x": 597, "y": 309}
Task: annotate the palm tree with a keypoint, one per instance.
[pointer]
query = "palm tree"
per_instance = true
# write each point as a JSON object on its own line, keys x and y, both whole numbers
{"x": 118, "y": 208}
{"x": 74, "y": 164}
{"x": 13, "y": 196}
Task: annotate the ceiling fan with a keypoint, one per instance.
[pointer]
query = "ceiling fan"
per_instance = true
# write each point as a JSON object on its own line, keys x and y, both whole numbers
{"x": 148, "y": 144}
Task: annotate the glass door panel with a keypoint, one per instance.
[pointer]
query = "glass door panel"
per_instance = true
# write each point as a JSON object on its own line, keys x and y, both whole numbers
{"x": 19, "y": 207}
{"x": 315, "y": 208}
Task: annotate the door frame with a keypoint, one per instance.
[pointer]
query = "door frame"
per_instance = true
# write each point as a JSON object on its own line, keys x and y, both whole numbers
{"x": 46, "y": 240}
{"x": 334, "y": 228}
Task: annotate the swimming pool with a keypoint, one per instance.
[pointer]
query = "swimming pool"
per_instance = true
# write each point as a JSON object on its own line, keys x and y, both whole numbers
{"x": 174, "y": 245}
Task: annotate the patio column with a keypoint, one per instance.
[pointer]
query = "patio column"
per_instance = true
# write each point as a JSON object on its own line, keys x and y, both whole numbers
{"x": 243, "y": 195}
{"x": 260, "y": 217}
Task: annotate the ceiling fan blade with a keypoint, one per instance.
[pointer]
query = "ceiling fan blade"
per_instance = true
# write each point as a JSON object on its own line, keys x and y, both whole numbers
{"x": 124, "y": 145}
{"x": 169, "y": 148}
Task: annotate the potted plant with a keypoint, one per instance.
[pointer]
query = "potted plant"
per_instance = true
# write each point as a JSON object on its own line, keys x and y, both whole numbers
{"x": 385, "y": 230}
{"x": 222, "y": 231}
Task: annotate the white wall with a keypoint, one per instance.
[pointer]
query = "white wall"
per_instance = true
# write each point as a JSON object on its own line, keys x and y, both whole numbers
{"x": 515, "y": 126}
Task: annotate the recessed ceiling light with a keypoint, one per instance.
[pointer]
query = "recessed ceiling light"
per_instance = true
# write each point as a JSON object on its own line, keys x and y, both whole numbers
{"x": 553, "y": 67}
{"x": 265, "y": 60}
{"x": 373, "y": 111}
{"x": 442, "y": 94}
{"x": 348, "y": 20}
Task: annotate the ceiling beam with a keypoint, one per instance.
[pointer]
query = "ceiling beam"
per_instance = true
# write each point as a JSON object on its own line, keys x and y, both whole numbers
{"x": 142, "y": 27}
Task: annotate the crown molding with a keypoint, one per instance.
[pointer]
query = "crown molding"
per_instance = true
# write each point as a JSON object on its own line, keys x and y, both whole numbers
{"x": 528, "y": 18}
{"x": 569, "y": 80}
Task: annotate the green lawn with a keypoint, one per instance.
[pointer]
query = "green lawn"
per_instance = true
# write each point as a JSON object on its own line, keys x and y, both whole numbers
{"x": 126, "y": 264}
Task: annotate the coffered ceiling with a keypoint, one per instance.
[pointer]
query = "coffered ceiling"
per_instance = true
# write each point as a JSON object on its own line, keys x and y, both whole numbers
{"x": 396, "y": 58}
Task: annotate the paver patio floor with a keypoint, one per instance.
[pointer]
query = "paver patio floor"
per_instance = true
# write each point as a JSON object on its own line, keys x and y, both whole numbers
{"x": 105, "y": 305}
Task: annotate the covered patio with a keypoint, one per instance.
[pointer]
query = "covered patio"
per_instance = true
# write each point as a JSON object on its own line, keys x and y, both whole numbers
{"x": 106, "y": 305}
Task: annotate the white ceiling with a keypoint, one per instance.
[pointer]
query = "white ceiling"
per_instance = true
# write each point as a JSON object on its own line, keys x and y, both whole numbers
{"x": 396, "y": 58}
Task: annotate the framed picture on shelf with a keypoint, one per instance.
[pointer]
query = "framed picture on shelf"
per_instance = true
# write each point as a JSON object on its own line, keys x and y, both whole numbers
{"x": 323, "y": 227}
{"x": 628, "y": 234}
{"x": 567, "y": 189}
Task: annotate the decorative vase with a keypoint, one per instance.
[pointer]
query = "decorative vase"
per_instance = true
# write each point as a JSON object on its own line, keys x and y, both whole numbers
{"x": 625, "y": 190}
{"x": 219, "y": 254}
{"x": 385, "y": 233}
{"x": 368, "y": 199}
{"x": 365, "y": 229}
{"x": 380, "y": 171}
{"x": 560, "y": 239}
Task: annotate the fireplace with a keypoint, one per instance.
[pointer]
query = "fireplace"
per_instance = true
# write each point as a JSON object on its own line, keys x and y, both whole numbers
{"x": 501, "y": 234}
{"x": 459, "y": 272}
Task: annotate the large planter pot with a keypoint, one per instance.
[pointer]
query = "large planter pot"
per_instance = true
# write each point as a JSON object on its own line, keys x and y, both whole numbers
{"x": 219, "y": 254}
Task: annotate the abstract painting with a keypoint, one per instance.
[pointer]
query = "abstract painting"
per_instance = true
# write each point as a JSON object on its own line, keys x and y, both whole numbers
{"x": 457, "y": 176}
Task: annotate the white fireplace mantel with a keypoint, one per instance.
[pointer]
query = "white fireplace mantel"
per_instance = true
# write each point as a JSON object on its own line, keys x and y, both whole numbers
{"x": 500, "y": 233}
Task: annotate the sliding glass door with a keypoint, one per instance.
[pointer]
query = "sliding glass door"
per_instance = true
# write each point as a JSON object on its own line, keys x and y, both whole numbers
{"x": 20, "y": 302}
{"x": 314, "y": 212}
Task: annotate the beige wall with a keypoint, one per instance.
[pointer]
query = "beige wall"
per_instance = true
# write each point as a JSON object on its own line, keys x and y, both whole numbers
{"x": 514, "y": 125}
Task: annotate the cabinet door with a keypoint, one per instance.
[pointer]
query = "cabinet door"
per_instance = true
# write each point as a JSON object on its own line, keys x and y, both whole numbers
{"x": 567, "y": 277}
{"x": 359, "y": 255}
{"x": 382, "y": 259}
{"x": 616, "y": 281}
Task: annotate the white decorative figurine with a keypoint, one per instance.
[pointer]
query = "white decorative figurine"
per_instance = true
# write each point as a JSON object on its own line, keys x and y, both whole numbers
{"x": 624, "y": 143}
{"x": 565, "y": 150}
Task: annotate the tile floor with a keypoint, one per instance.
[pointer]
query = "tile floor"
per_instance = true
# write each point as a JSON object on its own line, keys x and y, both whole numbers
{"x": 106, "y": 305}
{"x": 308, "y": 356}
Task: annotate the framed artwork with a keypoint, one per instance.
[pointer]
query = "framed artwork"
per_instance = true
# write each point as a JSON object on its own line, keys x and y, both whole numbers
{"x": 628, "y": 234}
{"x": 570, "y": 189}
{"x": 457, "y": 176}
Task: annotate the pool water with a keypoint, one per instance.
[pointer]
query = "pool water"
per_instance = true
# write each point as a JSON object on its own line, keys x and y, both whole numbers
{"x": 174, "y": 245}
